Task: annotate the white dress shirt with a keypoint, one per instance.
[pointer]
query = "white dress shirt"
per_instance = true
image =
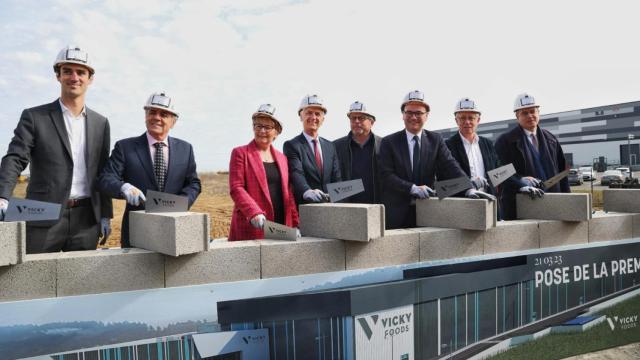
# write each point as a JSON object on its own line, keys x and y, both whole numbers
{"x": 474, "y": 155}
{"x": 410, "y": 142}
{"x": 313, "y": 150}
{"x": 152, "y": 150}
{"x": 76, "y": 131}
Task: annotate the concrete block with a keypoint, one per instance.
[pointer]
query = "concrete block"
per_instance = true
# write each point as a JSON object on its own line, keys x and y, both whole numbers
{"x": 555, "y": 206}
{"x": 305, "y": 256}
{"x": 610, "y": 226}
{"x": 438, "y": 243}
{"x": 512, "y": 236}
{"x": 456, "y": 213}
{"x": 12, "y": 242}
{"x": 103, "y": 271}
{"x": 34, "y": 278}
{"x": 395, "y": 247}
{"x": 356, "y": 222}
{"x": 225, "y": 261}
{"x": 558, "y": 233}
{"x": 171, "y": 234}
{"x": 621, "y": 200}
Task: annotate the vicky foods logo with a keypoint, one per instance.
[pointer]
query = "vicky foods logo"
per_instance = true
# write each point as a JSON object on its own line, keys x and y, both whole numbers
{"x": 392, "y": 325}
{"x": 623, "y": 322}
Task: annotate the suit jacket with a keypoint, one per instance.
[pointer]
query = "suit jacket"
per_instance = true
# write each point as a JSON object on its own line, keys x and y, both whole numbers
{"x": 343, "y": 149}
{"x": 41, "y": 141}
{"x": 249, "y": 190}
{"x": 130, "y": 162}
{"x": 511, "y": 147}
{"x": 397, "y": 176}
{"x": 489, "y": 156}
{"x": 303, "y": 171}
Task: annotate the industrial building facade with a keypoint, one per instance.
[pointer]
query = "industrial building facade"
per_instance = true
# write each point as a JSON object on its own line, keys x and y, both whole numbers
{"x": 600, "y": 133}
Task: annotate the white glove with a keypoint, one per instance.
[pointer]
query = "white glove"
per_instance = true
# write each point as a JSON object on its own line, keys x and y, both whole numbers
{"x": 4, "y": 205}
{"x": 531, "y": 181}
{"x": 105, "y": 230}
{"x": 315, "y": 195}
{"x": 532, "y": 191}
{"x": 298, "y": 235}
{"x": 258, "y": 221}
{"x": 133, "y": 195}
{"x": 479, "y": 182}
{"x": 422, "y": 191}
{"x": 477, "y": 194}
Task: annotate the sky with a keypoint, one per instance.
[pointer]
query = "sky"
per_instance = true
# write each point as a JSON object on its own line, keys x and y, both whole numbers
{"x": 220, "y": 59}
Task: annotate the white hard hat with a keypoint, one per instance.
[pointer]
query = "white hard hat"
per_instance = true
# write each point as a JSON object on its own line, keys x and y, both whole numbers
{"x": 160, "y": 101}
{"x": 73, "y": 55}
{"x": 268, "y": 110}
{"x": 466, "y": 104}
{"x": 415, "y": 96}
{"x": 359, "y": 108}
{"x": 524, "y": 101}
{"x": 311, "y": 100}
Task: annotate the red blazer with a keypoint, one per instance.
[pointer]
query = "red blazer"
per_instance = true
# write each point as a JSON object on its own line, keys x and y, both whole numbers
{"x": 250, "y": 191}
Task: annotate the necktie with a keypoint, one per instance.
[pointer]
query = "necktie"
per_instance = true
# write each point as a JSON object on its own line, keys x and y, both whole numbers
{"x": 316, "y": 149}
{"x": 534, "y": 141}
{"x": 159, "y": 166}
{"x": 416, "y": 160}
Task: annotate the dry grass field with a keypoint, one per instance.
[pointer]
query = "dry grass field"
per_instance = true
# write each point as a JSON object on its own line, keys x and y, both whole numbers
{"x": 214, "y": 200}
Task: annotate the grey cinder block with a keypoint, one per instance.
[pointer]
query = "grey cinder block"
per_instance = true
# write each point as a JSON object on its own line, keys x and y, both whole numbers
{"x": 558, "y": 233}
{"x": 456, "y": 213}
{"x": 555, "y": 206}
{"x": 512, "y": 236}
{"x": 611, "y": 226}
{"x": 395, "y": 247}
{"x": 34, "y": 278}
{"x": 171, "y": 234}
{"x": 12, "y": 242}
{"x": 621, "y": 200}
{"x": 439, "y": 243}
{"x": 305, "y": 256}
{"x": 225, "y": 261}
{"x": 356, "y": 222}
{"x": 103, "y": 271}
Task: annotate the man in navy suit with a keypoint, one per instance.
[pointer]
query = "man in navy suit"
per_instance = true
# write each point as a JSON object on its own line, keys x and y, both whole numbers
{"x": 535, "y": 153}
{"x": 475, "y": 154}
{"x": 152, "y": 161}
{"x": 410, "y": 161}
{"x": 313, "y": 161}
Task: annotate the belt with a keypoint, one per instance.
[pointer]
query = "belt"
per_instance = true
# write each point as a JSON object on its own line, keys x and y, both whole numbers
{"x": 71, "y": 203}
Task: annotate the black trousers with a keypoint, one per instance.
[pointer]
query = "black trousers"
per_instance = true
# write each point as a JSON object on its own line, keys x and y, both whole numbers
{"x": 76, "y": 230}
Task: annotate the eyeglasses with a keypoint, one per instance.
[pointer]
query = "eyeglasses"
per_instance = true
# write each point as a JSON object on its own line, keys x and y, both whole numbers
{"x": 260, "y": 127}
{"x": 411, "y": 114}
{"x": 356, "y": 118}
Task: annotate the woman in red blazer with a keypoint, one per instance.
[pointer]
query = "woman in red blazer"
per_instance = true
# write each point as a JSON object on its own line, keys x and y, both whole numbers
{"x": 259, "y": 181}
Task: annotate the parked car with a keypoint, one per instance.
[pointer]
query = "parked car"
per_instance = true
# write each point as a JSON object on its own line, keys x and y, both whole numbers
{"x": 575, "y": 177}
{"x": 625, "y": 171}
{"x": 612, "y": 176}
{"x": 587, "y": 173}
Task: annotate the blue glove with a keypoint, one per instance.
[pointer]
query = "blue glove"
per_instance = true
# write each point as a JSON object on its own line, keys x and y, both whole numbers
{"x": 422, "y": 191}
{"x": 531, "y": 181}
{"x": 533, "y": 192}
{"x": 105, "y": 230}
{"x": 133, "y": 195}
{"x": 477, "y": 194}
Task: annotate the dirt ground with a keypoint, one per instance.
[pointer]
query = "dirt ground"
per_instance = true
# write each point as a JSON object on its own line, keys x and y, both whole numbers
{"x": 214, "y": 199}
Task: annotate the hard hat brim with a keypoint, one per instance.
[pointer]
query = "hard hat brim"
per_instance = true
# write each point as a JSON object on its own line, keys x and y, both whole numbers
{"x": 147, "y": 107}
{"x": 58, "y": 64}
{"x": 361, "y": 112}
{"x": 313, "y": 105}
{"x": 526, "y": 107}
{"x": 468, "y": 110}
{"x": 415, "y": 102}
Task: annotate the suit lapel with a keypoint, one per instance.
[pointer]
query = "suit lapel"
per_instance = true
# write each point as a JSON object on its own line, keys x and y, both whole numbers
{"x": 173, "y": 154}
{"x": 424, "y": 154}
{"x": 258, "y": 169}
{"x": 142, "y": 150}
{"x": 403, "y": 147}
{"x": 462, "y": 154}
{"x": 58, "y": 122}
{"x": 92, "y": 140}
{"x": 327, "y": 164}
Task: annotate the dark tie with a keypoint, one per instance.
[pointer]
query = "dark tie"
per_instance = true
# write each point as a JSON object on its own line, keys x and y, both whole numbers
{"x": 416, "y": 160}
{"x": 534, "y": 141}
{"x": 316, "y": 150}
{"x": 159, "y": 167}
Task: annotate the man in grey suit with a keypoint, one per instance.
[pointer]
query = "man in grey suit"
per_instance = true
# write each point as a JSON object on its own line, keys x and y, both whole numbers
{"x": 65, "y": 145}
